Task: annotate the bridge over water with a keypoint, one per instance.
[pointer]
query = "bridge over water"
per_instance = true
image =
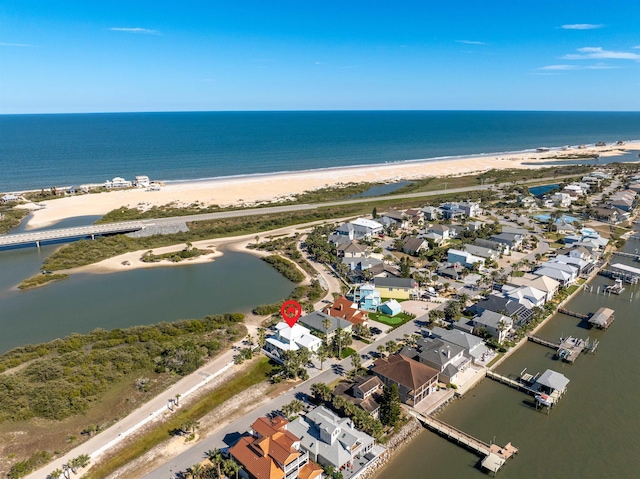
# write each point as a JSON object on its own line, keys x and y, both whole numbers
{"x": 38, "y": 238}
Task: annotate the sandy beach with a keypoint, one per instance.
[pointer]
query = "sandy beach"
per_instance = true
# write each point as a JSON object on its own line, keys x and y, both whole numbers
{"x": 249, "y": 190}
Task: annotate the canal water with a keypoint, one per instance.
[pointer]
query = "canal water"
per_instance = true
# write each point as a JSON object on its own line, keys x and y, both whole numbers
{"x": 235, "y": 282}
{"x": 594, "y": 431}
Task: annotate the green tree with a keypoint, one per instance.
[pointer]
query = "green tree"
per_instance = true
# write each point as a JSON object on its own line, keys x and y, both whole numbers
{"x": 231, "y": 467}
{"x": 321, "y": 392}
{"x": 390, "y": 409}
{"x": 322, "y": 354}
{"x": 55, "y": 474}
{"x": 374, "y": 213}
{"x": 452, "y": 310}
{"x": 262, "y": 337}
{"x": 215, "y": 456}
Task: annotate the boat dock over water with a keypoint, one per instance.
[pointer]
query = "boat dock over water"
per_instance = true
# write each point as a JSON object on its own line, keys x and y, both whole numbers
{"x": 494, "y": 456}
{"x": 628, "y": 274}
{"x": 546, "y": 388}
{"x": 568, "y": 349}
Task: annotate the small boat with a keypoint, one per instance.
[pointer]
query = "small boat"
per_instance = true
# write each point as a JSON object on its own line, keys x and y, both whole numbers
{"x": 544, "y": 400}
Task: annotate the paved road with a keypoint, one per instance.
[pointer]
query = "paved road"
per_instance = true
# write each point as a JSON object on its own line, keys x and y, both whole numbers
{"x": 229, "y": 434}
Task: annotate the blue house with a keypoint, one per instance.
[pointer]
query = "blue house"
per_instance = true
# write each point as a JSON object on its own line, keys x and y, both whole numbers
{"x": 390, "y": 308}
{"x": 369, "y": 298}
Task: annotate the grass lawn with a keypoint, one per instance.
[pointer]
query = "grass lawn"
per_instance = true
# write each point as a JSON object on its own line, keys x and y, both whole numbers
{"x": 258, "y": 372}
{"x": 397, "y": 320}
{"x": 495, "y": 360}
{"x": 346, "y": 352}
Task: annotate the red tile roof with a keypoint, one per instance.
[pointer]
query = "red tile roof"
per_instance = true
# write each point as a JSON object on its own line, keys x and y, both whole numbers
{"x": 345, "y": 309}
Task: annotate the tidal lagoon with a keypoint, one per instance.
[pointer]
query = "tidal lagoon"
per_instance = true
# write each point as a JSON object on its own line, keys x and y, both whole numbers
{"x": 235, "y": 282}
{"x": 594, "y": 431}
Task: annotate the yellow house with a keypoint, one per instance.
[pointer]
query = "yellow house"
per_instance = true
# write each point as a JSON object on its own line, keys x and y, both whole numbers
{"x": 396, "y": 288}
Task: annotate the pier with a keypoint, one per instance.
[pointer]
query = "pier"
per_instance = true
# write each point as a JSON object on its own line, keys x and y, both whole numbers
{"x": 547, "y": 389}
{"x": 584, "y": 317}
{"x": 544, "y": 342}
{"x": 628, "y": 274}
{"x": 568, "y": 349}
{"x": 627, "y": 255}
{"x": 494, "y": 455}
{"x": 602, "y": 318}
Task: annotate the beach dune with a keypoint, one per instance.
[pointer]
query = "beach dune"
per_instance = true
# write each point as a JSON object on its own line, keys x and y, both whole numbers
{"x": 249, "y": 190}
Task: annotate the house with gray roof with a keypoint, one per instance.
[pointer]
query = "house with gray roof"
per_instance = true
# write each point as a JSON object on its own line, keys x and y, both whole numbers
{"x": 329, "y": 439}
{"x": 482, "y": 252}
{"x": 449, "y": 359}
{"x": 473, "y": 346}
{"x": 364, "y": 391}
{"x": 316, "y": 322}
{"x": 414, "y": 246}
{"x": 431, "y": 213}
{"x": 550, "y": 381}
{"x": 495, "y": 245}
{"x": 496, "y": 324}
{"x": 512, "y": 240}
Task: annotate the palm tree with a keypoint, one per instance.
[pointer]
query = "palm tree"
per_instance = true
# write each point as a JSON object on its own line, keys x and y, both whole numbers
{"x": 195, "y": 471}
{"x": 322, "y": 354}
{"x": 262, "y": 337}
{"x": 83, "y": 460}
{"x": 231, "y": 466}
{"x": 326, "y": 322}
{"x": 55, "y": 474}
{"x": 462, "y": 299}
{"x": 177, "y": 401}
{"x": 215, "y": 456}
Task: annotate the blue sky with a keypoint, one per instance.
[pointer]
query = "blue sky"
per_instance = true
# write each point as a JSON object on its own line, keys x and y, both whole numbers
{"x": 90, "y": 56}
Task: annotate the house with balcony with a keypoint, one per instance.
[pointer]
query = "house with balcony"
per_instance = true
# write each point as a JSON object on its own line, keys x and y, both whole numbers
{"x": 447, "y": 358}
{"x": 289, "y": 338}
{"x": 548, "y": 286}
{"x": 332, "y": 440}
{"x": 496, "y": 324}
{"x": 271, "y": 451}
{"x": 396, "y": 288}
{"x": 368, "y": 298}
{"x": 470, "y": 208}
{"x": 474, "y": 347}
{"x": 465, "y": 258}
{"x": 316, "y": 322}
{"x": 415, "y": 381}
{"x": 363, "y": 391}
{"x": 345, "y": 309}
{"x": 451, "y": 211}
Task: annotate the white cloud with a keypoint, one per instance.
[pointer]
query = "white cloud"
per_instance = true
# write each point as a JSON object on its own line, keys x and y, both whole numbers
{"x": 599, "y": 53}
{"x": 636, "y": 47}
{"x": 561, "y": 67}
{"x": 144, "y": 31}
{"x": 582, "y": 26}
{"x": 471, "y": 42}
{"x": 3, "y": 44}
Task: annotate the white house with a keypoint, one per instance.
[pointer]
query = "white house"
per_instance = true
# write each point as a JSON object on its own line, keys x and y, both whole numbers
{"x": 118, "y": 182}
{"x": 562, "y": 199}
{"x": 8, "y": 198}
{"x": 465, "y": 258}
{"x": 291, "y": 339}
{"x": 142, "y": 182}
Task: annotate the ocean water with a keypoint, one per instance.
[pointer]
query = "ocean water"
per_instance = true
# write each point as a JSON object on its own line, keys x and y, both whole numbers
{"x": 40, "y": 151}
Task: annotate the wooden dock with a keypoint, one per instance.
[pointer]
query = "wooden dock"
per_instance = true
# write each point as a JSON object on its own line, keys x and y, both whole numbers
{"x": 582, "y": 316}
{"x": 523, "y": 385}
{"x": 544, "y": 342}
{"x": 570, "y": 348}
{"x": 627, "y": 255}
{"x": 494, "y": 455}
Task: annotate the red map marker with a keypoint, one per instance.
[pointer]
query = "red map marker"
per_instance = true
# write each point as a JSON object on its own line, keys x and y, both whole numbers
{"x": 291, "y": 312}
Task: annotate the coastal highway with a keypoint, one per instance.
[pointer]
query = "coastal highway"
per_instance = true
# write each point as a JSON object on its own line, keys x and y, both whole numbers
{"x": 354, "y": 201}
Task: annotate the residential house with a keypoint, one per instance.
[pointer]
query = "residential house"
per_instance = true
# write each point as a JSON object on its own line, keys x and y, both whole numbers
{"x": 118, "y": 182}
{"x": 345, "y": 309}
{"x": 565, "y": 274}
{"x": 584, "y": 267}
{"x": 364, "y": 391}
{"x": 367, "y": 228}
{"x": 562, "y": 199}
{"x": 141, "y": 181}
{"x": 396, "y": 288}
{"x": 447, "y": 358}
{"x": 439, "y": 233}
{"x": 331, "y": 440}
{"x": 361, "y": 263}
{"x": 473, "y": 346}
{"x": 512, "y": 240}
{"x": 431, "y": 213}
{"x": 465, "y": 258}
{"x": 564, "y": 228}
{"x": 609, "y": 214}
{"x": 414, "y": 246}
{"x": 577, "y": 251}
{"x": 10, "y": 198}
{"x": 415, "y": 381}
{"x": 503, "y": 305}
{"x": 547, "y": 285}
{"x": 527, "y": 202}
{"x": 496, "y": 324}
{"x": 495, "y": 245}
{"x": 526, "y": 295}
{"x": 394, "y": 218}
{"x": 451, "y": 211}
{"x": 390, "y": 308}
{"x": 346, "y": 230}
{"x": 470, "y": 208}
{"x": 316, "y": 322}
{"x": 451, "y": 270}
{"x": 291, "y": 339}
{"x": 352, "y": 249}
{"x": 482, "y": 252}
{"x": 368, "y": 297}
{"x": 273, "y": 452}
{"x": 415, "y": 215}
